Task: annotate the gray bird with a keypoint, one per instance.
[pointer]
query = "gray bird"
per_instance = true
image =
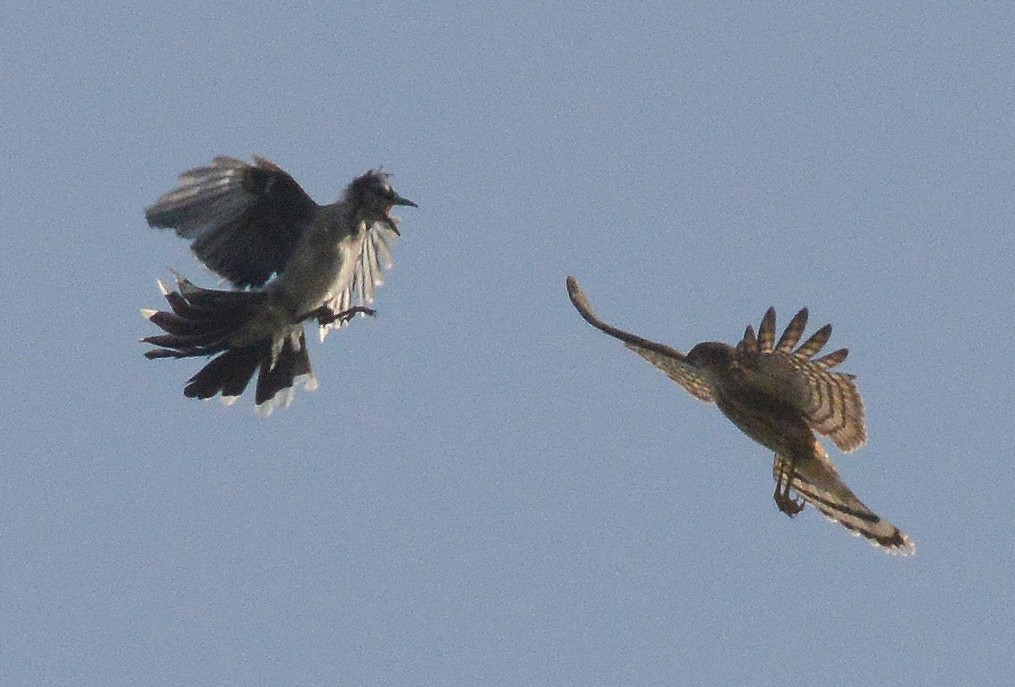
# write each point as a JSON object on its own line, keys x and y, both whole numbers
{"x": 290, "y": 259}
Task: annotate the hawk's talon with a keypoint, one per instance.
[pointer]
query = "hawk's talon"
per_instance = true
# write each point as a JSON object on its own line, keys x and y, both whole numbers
{"x": 789, "y": 506}
{"x": 786, "y": 503}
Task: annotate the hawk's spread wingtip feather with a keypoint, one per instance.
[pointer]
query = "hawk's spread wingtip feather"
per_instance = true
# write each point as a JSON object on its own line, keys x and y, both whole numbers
{"x": 581, "y": 301}
{"x": 669, "y": 360}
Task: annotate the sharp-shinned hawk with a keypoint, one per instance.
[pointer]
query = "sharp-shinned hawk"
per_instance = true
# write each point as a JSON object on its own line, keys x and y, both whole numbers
{"x": 779, "y": 397}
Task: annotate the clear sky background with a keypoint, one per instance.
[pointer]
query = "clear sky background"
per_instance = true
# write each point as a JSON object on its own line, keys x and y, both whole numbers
{"x": 484, "y": 490}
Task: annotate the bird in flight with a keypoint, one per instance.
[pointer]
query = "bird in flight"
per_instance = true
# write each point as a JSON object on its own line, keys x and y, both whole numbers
{"x": 290, "y": 261}
{"x": 779, "y": 397}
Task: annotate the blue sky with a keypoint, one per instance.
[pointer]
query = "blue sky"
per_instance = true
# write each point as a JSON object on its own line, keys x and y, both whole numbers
{"x": 484, "y": 490}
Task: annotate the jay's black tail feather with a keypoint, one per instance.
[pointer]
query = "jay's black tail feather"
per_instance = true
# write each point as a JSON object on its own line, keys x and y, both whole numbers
{"x": 204, "y": 322}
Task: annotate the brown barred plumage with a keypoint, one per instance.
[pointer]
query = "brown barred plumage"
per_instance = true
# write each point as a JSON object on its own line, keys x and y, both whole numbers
{"x": 779, "y": 397}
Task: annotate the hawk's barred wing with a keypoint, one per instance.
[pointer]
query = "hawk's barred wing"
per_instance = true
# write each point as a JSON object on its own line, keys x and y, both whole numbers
{"x": 794, "y": 330}
{"x": 829, "y": 401}
{"x": 243, "y": 220}
{"x": 766, "y": 333}
{"x": 817, "y": 481}
{"x": 834, "y": 406}
{"x": 669, "y": 360}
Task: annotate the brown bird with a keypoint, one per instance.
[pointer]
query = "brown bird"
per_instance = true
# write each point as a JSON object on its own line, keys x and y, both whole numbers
{"x": 779, "y": 397}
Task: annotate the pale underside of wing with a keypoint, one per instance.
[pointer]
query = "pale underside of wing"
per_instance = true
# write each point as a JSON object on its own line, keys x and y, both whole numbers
{"x": 373, "y": 258}
{"x": 669, "y": 360}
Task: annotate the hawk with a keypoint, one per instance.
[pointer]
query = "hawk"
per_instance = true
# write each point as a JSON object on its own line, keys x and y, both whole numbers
{"x": 779, "y": 397}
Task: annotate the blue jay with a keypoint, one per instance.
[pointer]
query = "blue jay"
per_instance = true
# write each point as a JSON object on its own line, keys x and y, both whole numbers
{"x": 290, "y": 259}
